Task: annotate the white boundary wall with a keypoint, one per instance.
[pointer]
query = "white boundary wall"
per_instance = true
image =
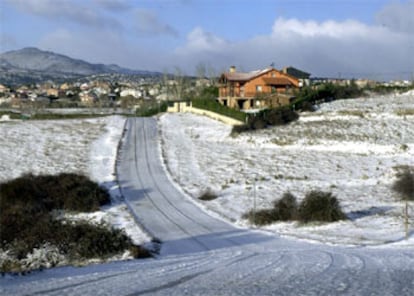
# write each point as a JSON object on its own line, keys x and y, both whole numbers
{"x": 187, "y": 107}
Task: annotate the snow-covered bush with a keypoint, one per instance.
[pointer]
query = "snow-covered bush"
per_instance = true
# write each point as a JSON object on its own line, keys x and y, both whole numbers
{"x": 46, "y": 256}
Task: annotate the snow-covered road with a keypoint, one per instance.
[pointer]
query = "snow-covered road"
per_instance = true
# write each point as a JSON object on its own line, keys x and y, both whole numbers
{"x": 273, "y": 267}
{"x": 202, "y": 255}
{"x": 160, "y": 207}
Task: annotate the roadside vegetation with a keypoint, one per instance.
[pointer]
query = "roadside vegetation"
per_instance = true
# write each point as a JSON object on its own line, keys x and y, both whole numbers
{"x": 308, "y": 97}
{"x": 11, "y": 115}
{"x": 267, "y": 117}
{"x": 214, "y": 106}
{"x": 151, "y": 108}
{"x": 317, "y": 206}
{"x": 49, "y": 116}
{"x": 53, "y": 116}
{"x": 32, "y": 220}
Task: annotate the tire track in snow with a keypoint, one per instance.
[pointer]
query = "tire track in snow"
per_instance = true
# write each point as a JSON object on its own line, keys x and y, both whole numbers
{"x": 165, "y": 205}
{"x": 164, "y": 214}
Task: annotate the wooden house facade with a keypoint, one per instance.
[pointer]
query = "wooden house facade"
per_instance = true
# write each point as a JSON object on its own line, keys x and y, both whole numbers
{"x": 256, "y": 89}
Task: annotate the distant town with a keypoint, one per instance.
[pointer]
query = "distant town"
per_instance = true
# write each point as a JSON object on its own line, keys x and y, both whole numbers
{"x": 129, "y": 91}
{"x": 33, "y": 79}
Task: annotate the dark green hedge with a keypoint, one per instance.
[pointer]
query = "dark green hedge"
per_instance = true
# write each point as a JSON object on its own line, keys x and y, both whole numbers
{"x": 214, "y": 106}
{"x": 151, "y": 108}
{"x": 28, "y": 220}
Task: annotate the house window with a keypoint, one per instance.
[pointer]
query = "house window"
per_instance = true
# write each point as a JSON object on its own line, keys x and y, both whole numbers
{"x": 258, "y": 88}
{"x": 273, "y": 74}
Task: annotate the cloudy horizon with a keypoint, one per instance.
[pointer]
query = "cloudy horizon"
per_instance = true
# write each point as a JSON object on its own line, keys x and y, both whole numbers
{"x": 361, "y": 39}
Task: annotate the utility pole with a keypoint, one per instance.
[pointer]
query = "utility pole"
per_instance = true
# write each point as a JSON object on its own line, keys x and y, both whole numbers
{"x": 254, "y": 201}
{"x": 405, "y": 210}
{"x": 406, "y": 222}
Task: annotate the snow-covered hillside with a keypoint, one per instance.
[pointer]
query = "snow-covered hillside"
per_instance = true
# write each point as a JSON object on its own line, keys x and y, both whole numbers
{"x": 259, "y": 264}
{"x": 86, "y": 146}
{"x": 352, "y": 148}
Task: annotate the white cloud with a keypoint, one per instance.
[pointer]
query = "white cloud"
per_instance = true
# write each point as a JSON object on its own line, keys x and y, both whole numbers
{"x": 352, "y": 48}
{"x": 325, "y": 48}
{"x": 331, "y": 29}
{"x": 200, "y": 40}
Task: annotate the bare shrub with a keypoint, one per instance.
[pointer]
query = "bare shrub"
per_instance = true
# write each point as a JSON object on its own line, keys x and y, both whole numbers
{"x": 239, "y": 128}
{"x": 286, "y": 208}
{"x": 320, "y": 206}
{"x": 208, "y": 195}
{"x": 317, "y": 206}
{"x": 258, "y": 123}
{"x": 139, "y": 252}
{"x": 260, "y": 217}
{"x": 404, "y": 185}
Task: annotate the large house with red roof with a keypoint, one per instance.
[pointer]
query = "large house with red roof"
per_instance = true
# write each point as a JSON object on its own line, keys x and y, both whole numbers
{"x": 257, "y": 89}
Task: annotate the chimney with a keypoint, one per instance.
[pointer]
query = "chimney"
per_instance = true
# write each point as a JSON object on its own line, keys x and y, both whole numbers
{"x": 232, "y": 69}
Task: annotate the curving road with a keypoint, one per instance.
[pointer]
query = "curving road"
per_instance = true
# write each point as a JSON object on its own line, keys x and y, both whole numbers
{"x": 160, "y": 207}
{"x": 201, "y": 255}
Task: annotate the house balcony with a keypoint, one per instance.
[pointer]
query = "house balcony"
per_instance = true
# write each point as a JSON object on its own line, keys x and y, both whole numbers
{"x": 224, "y": 93}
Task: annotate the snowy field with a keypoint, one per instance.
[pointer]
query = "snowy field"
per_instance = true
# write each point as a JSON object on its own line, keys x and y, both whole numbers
{"x": 352, "y": 148}
{"x": 86, "y": 146}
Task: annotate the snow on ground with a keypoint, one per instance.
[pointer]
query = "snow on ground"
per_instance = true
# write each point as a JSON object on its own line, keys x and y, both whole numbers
{"x": 86, "y": 146}
{"x": 352, "y": 148}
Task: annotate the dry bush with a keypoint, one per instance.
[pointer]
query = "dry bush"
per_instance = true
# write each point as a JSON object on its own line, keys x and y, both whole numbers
{"x": 320, "y": 206}
{"x": 260, "y": 217}
{"x": 404, "y": 185}
{"x": 286, "y": 208}
{"x": 316, "y": 206}
{"x": 208, "y": 195}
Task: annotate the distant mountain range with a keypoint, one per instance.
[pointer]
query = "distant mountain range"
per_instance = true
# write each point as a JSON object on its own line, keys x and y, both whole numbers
{"x": 29, "y": 65}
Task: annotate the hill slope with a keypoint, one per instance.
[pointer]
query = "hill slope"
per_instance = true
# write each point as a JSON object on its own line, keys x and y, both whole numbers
{"x": 32, "y": 65}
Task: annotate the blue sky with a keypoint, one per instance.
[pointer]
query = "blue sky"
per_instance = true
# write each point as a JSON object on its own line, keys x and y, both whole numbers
{"x": 351, "y": 38}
